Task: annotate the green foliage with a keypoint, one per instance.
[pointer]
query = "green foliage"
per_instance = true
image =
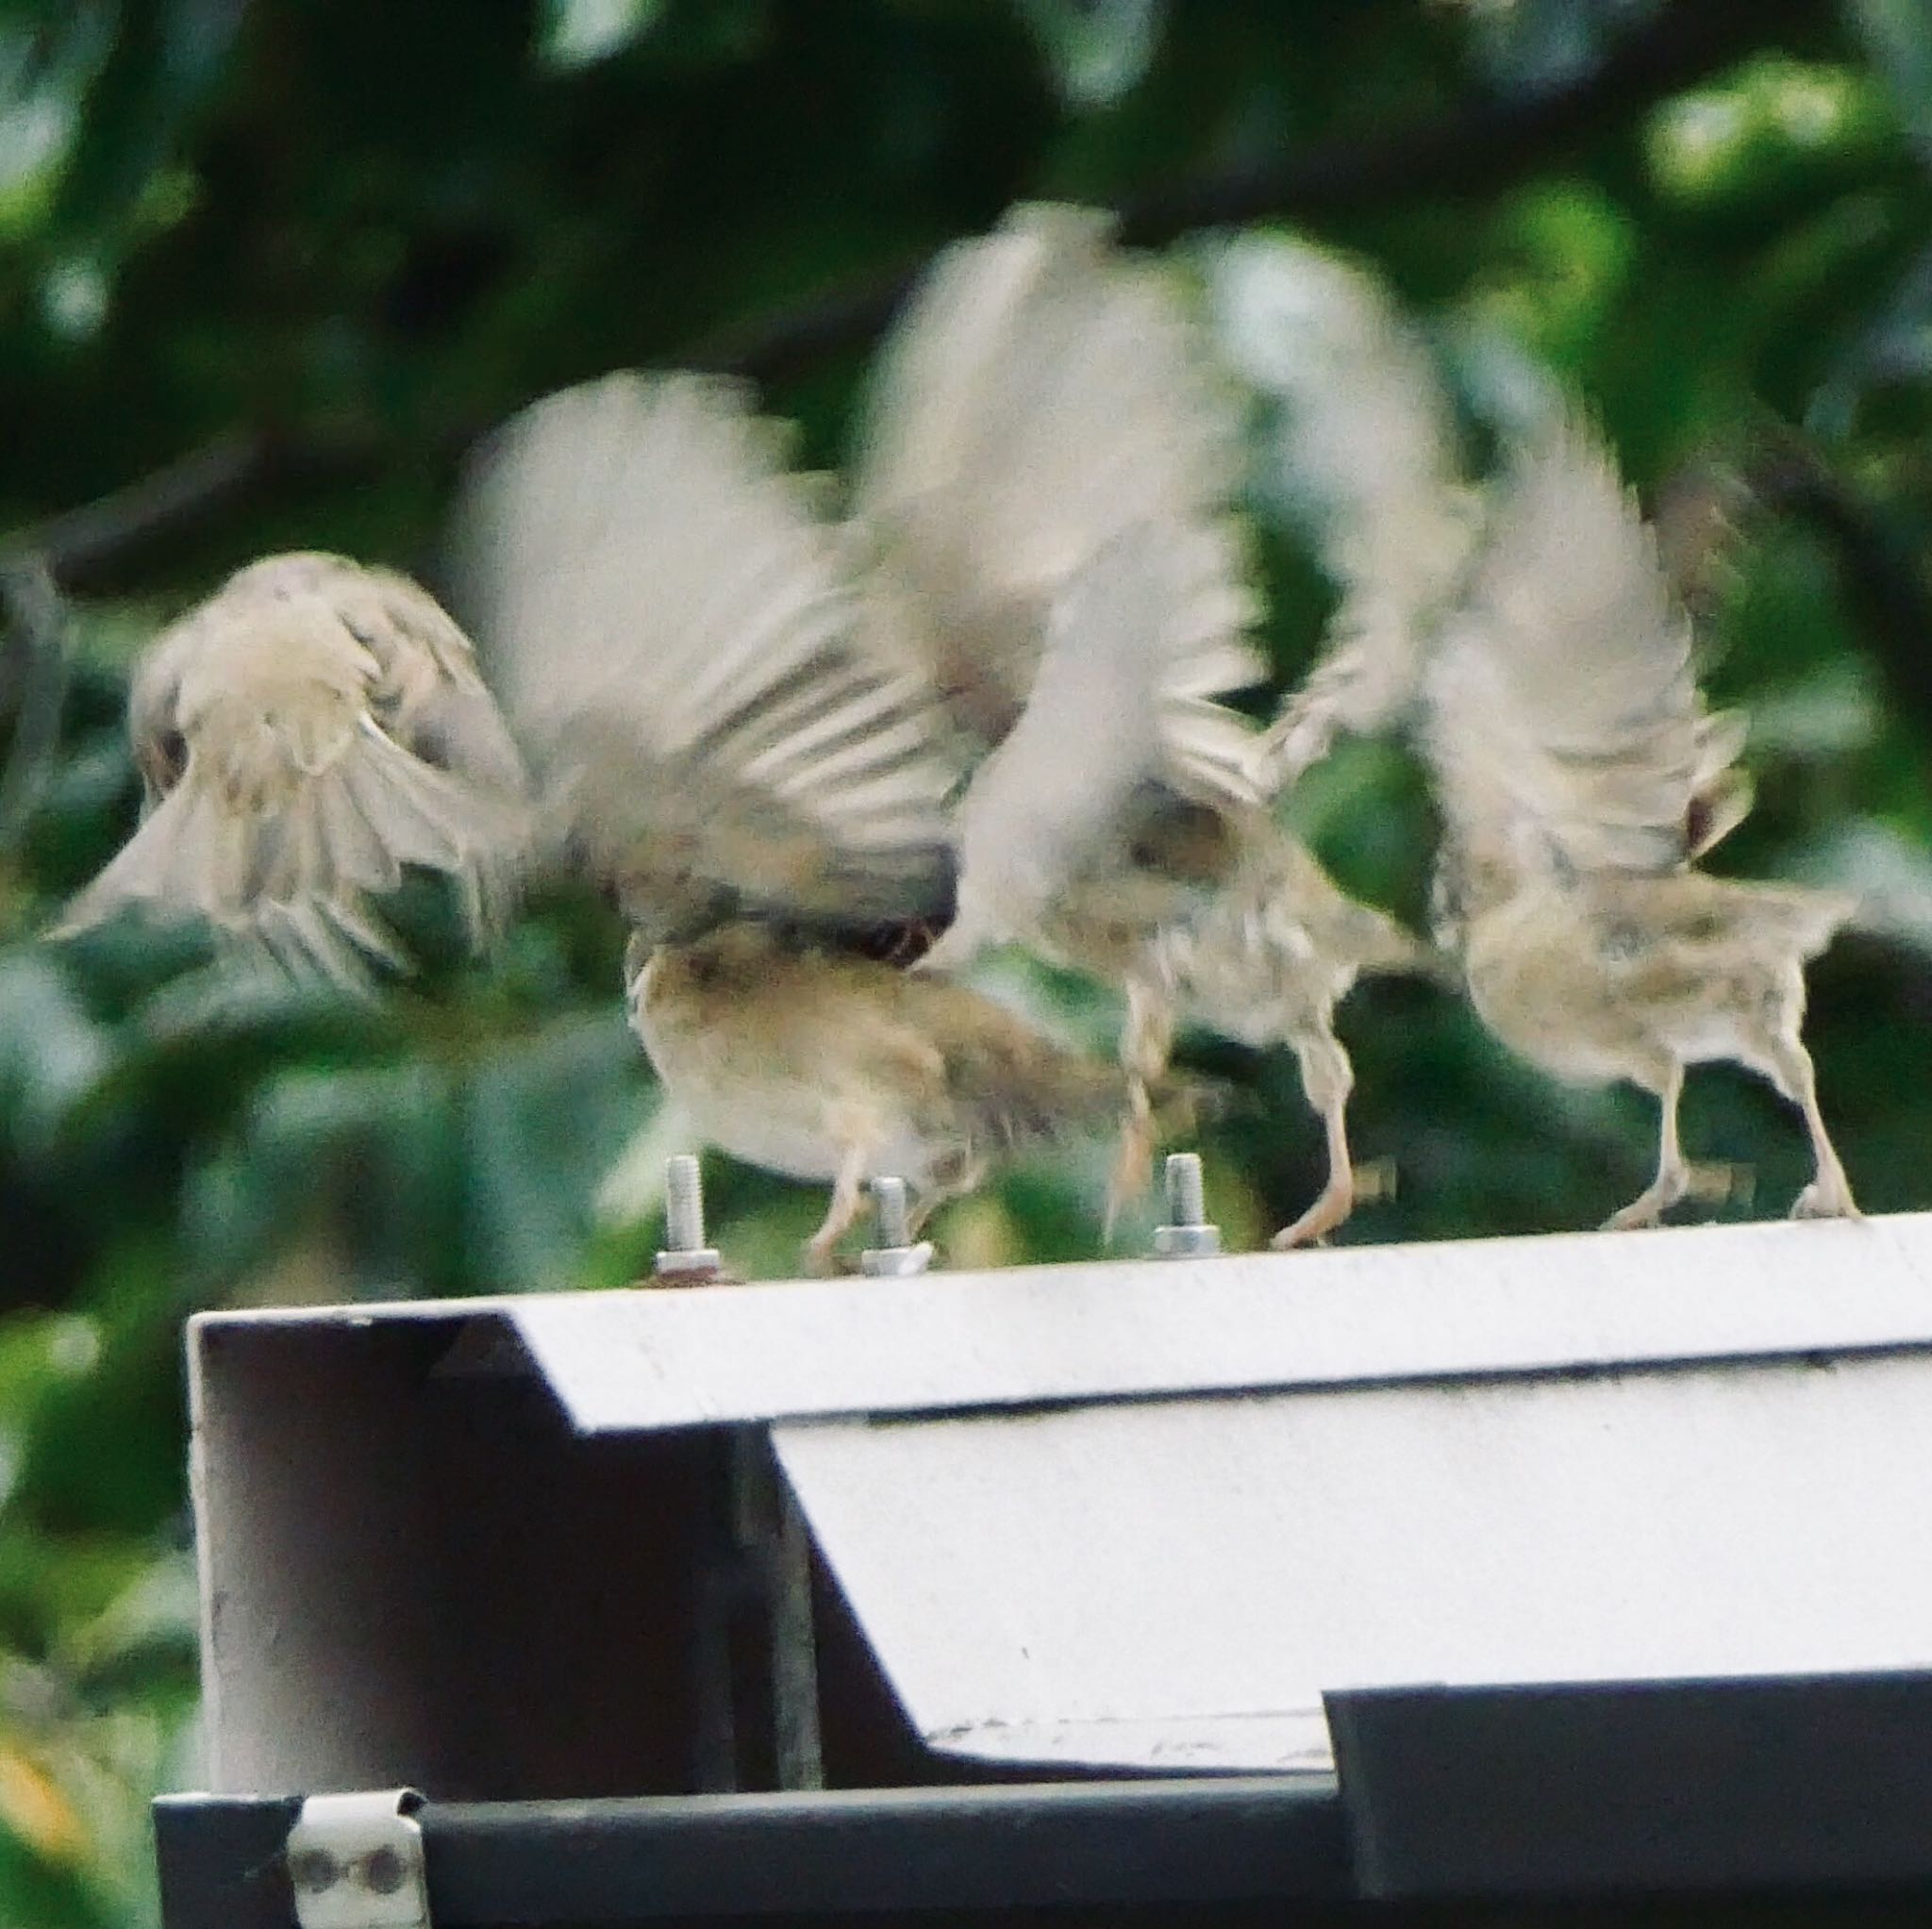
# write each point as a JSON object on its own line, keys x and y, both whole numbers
{"x": 364, "y": 232}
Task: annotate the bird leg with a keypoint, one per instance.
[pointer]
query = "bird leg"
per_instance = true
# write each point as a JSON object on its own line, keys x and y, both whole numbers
{"x": 1327, "y": 1077}
{"x": 944, "y": 1187}
{"x": 1829, "y": 1195}
{"x": 1146, "y": 1040}
{"x": 841, "y": 1211}
{"x": 1673, "y": 1176}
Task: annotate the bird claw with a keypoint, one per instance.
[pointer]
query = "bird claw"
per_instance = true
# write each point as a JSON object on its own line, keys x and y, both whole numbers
{"x": 1646, "y": 1210}
{"x": 1328, "y": 1211}
{"x": 1826, "y": 1198}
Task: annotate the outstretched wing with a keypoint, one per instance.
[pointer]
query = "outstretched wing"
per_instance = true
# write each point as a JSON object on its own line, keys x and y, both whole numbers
{"x": 1563, "y": 716}
{"x": 1365, "y": 448}
{"x": 1042, "y": 393}
{"x": 1099, "y": 751}
{"x": 280, "y": 729}
{"x": 685, "y": 647}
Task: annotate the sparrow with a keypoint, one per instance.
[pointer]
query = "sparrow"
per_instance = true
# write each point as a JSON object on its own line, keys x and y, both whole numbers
{"x": 1580, "y": 779}
{"x": 303, "y": 737}
{"x": 1047, "y": 469}
{"x": 728, "y": 732}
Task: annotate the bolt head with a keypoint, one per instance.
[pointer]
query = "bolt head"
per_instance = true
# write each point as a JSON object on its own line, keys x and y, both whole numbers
{"x": 895, "y": 1262}
{"x": 1187, "y": 1241}
{"x": 691, "y": 1268}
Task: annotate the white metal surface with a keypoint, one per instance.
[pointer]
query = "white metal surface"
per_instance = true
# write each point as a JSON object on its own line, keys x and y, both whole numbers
{"x": 1175, "y": 1583}
{"x": 643, "y": 1361}
{"x": 1252, "y": 1479}
{"x": 355, "y": 1862}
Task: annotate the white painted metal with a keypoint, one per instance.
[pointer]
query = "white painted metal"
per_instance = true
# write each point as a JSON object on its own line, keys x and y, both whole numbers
{"x": 355, "y": 1862}
{"x": 1175, "y": 1583}
{"x": 1256, "y": 1478}
{"x": 643, "y": 1361}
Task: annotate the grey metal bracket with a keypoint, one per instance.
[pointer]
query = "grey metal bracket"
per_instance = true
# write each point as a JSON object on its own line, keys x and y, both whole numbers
{"x": 356, "y": 1861}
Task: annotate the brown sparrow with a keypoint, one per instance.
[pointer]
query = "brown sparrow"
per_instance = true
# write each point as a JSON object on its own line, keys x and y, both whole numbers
{"x": 1580, "y": 778}
{"x": 303, "y": 737}
{"x": 1048, "y": 470}
{"x": 727, "y": 730}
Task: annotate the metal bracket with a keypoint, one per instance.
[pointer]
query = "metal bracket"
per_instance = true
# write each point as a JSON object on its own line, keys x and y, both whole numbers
{"x": 356, "y": 1861}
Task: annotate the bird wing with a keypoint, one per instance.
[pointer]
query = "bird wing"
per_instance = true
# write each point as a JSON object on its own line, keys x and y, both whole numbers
{"x": 685, "y": 647}
{"x": 1058, "y": 800}
{"x": 1563, "y": 716}
{"x": 1364, "y": 445}
{"x": 1042, "y": 393}
{"x": 280, "y": 799}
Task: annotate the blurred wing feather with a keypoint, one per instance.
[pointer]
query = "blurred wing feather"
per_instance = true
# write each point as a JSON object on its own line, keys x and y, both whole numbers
{"x": 683, "y": 644}
{"x": 1565, "y": 723}
{"x": 1043, "y": 393}
{"x": 1054, "y": 801}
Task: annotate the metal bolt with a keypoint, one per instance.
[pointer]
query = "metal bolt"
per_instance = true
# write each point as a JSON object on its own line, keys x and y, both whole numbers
{"x": 895, "y": 1219}
{"x": 383, "y": 1872}
{"x": 1187, "y": 1234}
{"x": 895, "y": 1256}
{"x": 312, "y": 1870}
{"x": 685, "y": 1254}
{"x": 1187, "y": 1192}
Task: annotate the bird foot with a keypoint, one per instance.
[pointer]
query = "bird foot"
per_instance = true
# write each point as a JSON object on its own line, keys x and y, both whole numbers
{"x": 1328, "y": 1211}
{"x": 1826, "y": 1197}
{"x": 1646, "y": 1210}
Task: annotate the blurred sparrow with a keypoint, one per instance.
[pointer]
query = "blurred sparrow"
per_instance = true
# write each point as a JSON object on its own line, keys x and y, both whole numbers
{"x": 1580, "y": 777}
{"x": 1047, "y": 472}
{"x": 303, "y": 736}
{"x": 729, "y": 730}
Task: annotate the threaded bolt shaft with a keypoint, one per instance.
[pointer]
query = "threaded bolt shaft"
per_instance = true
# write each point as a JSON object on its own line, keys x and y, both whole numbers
{"x": 1187, "y": 1198}
{"x": 894, "y": 1219}
{"x": 684, "y": 1204}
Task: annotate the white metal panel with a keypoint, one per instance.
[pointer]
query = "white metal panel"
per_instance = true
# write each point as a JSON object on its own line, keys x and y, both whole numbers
{"x": 1174, "y": 1583}
{"x": 639, "y": 1361}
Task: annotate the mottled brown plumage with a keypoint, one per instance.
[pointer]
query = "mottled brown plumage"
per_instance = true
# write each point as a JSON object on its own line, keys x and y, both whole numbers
{"x": 1052, "y": 467}
{"x": 727, "y": 730}
{"x": 303, "y": 737}
{"x": 812, "y": 1061}
{"x": 1580, "y": 778}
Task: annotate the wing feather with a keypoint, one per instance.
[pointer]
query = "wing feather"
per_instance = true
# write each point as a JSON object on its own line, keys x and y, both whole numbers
{"x": 1564, "y": 721}
{"x": 1043, "y": 393}
{"x": 686, "y": 645}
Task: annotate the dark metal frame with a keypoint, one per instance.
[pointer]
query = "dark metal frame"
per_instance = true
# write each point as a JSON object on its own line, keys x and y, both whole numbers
{"x": 1733, "y": 1791}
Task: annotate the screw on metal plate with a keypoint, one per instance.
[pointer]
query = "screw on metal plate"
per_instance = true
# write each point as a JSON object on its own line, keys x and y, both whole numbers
{"x": 1187, "y": 1234}
{"x": 895, "y": 1256}
{"x": 355, "y": 1862}
{"x": 685, "y": 1254}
